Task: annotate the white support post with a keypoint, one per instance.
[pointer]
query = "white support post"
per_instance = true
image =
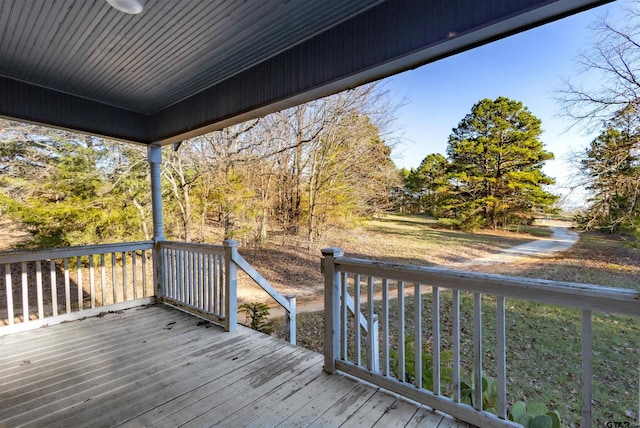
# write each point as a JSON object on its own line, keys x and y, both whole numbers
{"x": 154, "y": 155}
{"x": 401, "y": 331}
{"x": 435, "y": 335}
{"x": 291, "y": 319}
{"x": 331, "y": 308}
{"x": 385, "y": 327}
{"x": 231, "y": 285}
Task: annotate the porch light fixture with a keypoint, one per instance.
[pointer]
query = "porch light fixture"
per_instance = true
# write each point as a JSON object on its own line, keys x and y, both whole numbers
{"x": 132, "y": 7}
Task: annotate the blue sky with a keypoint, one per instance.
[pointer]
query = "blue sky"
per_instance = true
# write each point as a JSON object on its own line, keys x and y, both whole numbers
{"x": 527, "y": 67}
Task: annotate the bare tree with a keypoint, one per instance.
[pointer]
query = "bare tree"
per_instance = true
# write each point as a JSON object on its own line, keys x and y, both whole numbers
{"x": 610, "y": 168}
{"x": 129, "y": 177}
{"x": 613, "y": 61}
{"x": 182, "y": 174}
{"x": 297, "y": 169}
{"x": 225, "y": 157}
{"x": 306, "y": 141}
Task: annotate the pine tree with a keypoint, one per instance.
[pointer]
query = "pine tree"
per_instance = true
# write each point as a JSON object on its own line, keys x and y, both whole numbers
{"x": 431, "y": 178}
{"x": 496, "y": 166}
{"x": 610, "y": 167}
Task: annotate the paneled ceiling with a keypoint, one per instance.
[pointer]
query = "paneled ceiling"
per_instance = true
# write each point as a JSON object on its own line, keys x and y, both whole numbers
{"x": 184, "y": 67}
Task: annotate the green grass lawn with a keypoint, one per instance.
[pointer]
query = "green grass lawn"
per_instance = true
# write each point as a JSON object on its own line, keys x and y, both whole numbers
{"x": 596, "y": 259}
{"x": 420, "y": 240}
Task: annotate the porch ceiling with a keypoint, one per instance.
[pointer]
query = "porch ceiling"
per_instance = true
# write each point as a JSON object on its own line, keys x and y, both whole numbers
{"x": 185, "y": 67}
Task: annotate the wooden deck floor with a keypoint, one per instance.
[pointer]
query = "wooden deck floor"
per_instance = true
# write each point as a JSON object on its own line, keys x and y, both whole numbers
{"x": 156, "y": 366}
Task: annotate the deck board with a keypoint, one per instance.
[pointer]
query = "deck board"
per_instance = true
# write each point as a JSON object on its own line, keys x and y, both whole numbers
{"x": 118, "y": 407}
{"x": 116, "y": 373}
{"x": 324, "y": 400}
{"x": 157, "y": 366}
{"x": 373, "y": 409}
{"x": 399, "y": 413}
{"x": 287, "y": 401}
{"x": 425, "y": 418}
{"x": 203, "y": 393}
{"x": 250, "y": 414}
{"x": 255, "y": 391}
{"x": 345, "y": 407}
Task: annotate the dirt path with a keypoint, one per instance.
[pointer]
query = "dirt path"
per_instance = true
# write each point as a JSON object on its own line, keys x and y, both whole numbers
{"x": 562, "y": 239}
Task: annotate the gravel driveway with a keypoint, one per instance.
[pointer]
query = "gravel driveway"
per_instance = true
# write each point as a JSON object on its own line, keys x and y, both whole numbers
{"x": 562, "y": 239}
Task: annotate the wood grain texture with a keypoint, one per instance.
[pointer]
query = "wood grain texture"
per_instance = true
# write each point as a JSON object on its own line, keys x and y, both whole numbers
{"x": 157, "y": 366}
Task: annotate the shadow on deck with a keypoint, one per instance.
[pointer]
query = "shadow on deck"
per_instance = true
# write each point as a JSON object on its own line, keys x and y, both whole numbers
{"x": 157, "y": 366}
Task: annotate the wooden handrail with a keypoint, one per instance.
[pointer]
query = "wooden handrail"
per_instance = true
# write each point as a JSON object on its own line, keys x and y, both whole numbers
{"x": 61, "y": 253}
{"x": 288, "y": 303}
{"x": 570, "y": 294}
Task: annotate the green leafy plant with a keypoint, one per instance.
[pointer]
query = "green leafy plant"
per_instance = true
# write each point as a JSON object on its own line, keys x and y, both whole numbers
{"x": 256, "y": 315}
{"x": 489, "y": 393}
{"x": 536, "y": 416}
{"x": 446, "y": 359}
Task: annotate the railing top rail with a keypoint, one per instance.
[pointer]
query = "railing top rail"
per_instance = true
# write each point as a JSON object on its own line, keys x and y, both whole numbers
{"x": 61, "y": 253}
{"x": 262, "y": 282}
{"x": 191, "y": 246}
{"x": 575, "y": 295}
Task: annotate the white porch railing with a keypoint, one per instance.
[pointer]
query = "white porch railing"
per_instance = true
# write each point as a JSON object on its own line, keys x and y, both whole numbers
{"x": 47, "y": 286}
{"x": 343, "y": 340}
{"x": 194, "y": 277}
{"x": 203, "y": 279}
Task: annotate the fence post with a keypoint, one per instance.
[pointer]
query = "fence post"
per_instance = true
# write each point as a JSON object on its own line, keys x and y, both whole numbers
{"x": 291, "y": 319}
{"x": 230, "y": 284}
{"x": 331, "y": 308}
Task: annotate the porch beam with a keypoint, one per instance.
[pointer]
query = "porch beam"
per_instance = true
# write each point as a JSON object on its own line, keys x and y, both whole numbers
{"x": 31, "y": 103}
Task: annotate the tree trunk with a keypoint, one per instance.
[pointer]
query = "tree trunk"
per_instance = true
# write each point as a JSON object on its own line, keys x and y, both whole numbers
{"x": 143, "y": 217}
{"x": 186, "y": 217}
